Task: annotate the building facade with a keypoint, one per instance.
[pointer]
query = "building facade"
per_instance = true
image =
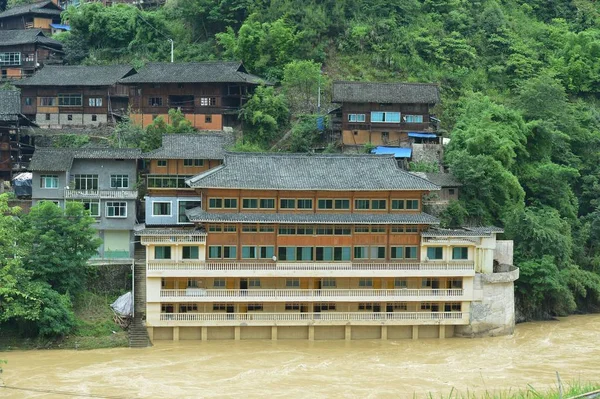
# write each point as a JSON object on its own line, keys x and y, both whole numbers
{"x": 181, "y": 157}
{"x": 75, "y": 96}
{"x": 318, "y": 247}
{"x": 104, "y": 180}
{"x": 31, "y": 16}
{"x": 24, "y": 51}
{"x": 384, "y": 114}
{"x": 209, "y": 94}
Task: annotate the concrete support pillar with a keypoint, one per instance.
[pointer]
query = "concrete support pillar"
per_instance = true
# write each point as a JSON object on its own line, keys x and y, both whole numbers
{"x": 150, "y": 333}
{"x": 204, "y": 333}
{"x": 384, "y": 332}
{"x": 415, "y": 332}
{"x": 311, "y": 333}
{"x": 442, "y": 331}
{"x": 348, "y": 332}
{"x": 175, "y": 333}
{"x": 236, "y": 333}
{"x": 274, "y": 333}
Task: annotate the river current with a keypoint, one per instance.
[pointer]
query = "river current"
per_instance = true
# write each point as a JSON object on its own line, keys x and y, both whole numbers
{"x": 319, "y": 369}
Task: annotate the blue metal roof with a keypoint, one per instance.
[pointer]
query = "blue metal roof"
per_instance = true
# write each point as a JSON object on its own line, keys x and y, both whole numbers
{"x": 398, "y": 152}
{"x": 422, "y": 135}
{"x": 61, "y": 26}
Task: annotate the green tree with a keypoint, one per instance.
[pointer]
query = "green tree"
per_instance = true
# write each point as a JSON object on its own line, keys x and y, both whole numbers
{"x": 264, "y": 116}
{"x": 300, "y": 83}
{"x": 152, "y": 139}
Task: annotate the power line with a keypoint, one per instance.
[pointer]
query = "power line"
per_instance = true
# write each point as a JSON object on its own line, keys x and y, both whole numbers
{"x": 64, "y": 393}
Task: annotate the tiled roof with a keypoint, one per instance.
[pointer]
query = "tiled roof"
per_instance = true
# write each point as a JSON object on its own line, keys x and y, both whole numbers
{"x": 332, "y": 172}
{"x": 77, "y": 75}
{"x": 395, "y": 93}
{"x": 193, "y": 72}
{"x": 485, "y": 229}
{"x": 199, "y": 215}
{"x": 463, "y": 232}
{"x": 169, "y": 231}
{"x": 440, "y": 179}
{"x": 27, "y": 36}
{"x": 192, "y": 146}
{"x": 42, "y": 8}
{"x": 61, "y": 159}
{"x": 10, "y": 104}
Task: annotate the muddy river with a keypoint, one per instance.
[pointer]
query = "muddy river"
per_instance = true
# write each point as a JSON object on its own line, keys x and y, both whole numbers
{"x": 320, "y": 369}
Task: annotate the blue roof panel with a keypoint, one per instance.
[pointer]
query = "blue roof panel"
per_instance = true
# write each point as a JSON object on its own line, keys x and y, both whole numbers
{"x": 398, "y": 152}
{"x": 61, "y": 26}
{"x": 422, "y": 135}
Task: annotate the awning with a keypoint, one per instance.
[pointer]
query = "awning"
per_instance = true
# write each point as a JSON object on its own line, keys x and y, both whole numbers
{"x": 422, "y": 135}
{"x": 399, "y": 152}
{"x": 61, "y": 26}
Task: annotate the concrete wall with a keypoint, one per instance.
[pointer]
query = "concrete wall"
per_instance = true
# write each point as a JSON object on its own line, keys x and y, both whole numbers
{"x": 432, "y": 153}
{"x": 165, "y": 220}
{"x": 504, "y": 252}
{"x": 39, "y": 193}
{"x": 57, "y": 120}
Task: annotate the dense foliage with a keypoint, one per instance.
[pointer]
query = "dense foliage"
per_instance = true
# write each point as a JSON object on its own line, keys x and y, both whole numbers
{"x": 519, "y": 78}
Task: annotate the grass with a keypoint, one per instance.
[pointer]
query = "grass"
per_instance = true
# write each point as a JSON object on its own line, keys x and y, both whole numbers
{"x": 94, "y": 328}
{"x": 570, "y": 390}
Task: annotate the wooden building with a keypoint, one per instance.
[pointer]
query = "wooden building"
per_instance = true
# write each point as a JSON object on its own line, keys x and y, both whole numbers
{"x": 383, "y": 113}
{"x": 75, "y": 95}
{"x": 16, "y": 147}
{"x": 31, "y": 16}
{"x": 23, "y": 51}
{"x": 210, "y": 94}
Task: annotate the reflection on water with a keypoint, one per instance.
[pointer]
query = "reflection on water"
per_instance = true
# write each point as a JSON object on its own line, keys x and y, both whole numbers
{"x": 336, "y": 369}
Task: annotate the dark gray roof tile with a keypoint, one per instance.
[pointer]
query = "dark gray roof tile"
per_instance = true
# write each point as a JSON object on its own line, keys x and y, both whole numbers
{"x": 10, "y": 104}
{"x": 61, "y": 159}
{"x": 395, "y": 93}
{"x": 78, "y": 75}
{"x": 310, "y": 172}
{"x": 192, "y": 146}
{"x": 27, "y": 36}
{"x": 46, "y": 8}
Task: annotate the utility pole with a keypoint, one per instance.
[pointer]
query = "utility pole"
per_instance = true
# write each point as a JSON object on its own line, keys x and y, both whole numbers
{"x": 172, "y": 58}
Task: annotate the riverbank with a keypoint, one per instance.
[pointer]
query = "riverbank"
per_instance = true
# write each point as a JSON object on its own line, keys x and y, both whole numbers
{"x": 95, "y": 329}
{"x": 571, "y": 390}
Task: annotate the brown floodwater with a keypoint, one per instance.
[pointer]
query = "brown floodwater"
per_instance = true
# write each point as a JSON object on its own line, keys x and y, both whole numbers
{"x": 320, "y": 369}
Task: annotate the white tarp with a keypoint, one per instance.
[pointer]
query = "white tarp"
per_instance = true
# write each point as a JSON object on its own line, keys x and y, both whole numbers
{"x": 123, "y": 305}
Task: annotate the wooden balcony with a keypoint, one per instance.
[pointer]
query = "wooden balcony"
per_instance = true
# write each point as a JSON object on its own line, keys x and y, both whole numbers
{"x": 193, "y": 237}
{"x": 101, "y": 194}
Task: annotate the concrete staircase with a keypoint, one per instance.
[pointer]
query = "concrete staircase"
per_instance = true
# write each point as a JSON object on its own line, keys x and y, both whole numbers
{"x": 138, "y": 335}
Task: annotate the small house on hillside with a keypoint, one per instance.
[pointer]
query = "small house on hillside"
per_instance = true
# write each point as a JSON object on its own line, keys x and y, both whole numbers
{"x": 384, "y": 113}
{"x": 210, "y": 94}
{"x": 31, "y": 16}
{"x": 75, "y": 95}
{"x": 23, "y": 51}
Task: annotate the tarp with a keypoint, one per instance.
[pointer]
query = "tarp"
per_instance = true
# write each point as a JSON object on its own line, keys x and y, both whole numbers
{"x": 123, "y": 305}
{"x": 61, "y": 26}
{"x": 399, "y": 152}
{"x": 422, "y": 135}
{"x": 22, "y": 184}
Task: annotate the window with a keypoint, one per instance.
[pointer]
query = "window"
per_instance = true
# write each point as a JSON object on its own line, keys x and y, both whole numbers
{"x": 215, "y": 203}
{"x": 377, "y": 228}
{"x": 304, "y": 230}
{"x": 356, "y": 117}
{"x": 162, "y": 252}
{"x": 229, "y": 203}
{"x": 161, "y": 209}
{"x": 248, "y": 252}
{"x": 208, "y": 101}
{"x": 435, "y": 253}
{"x": 452, "y": 307}
{"x": 254, "y": 282}
{"x": 304, "y": 253}
{"x": 229, "y": 228}
{"x": 266, "y": 229}
{"x": 325, "y": 306}
{"x": 229, "y": 252}
{"x": 365, "y": 282}
{"x": 49, "y": 181}
{"x": 361, "y": 229}
{"x": 455, "y": 283}
{"x": 412, "y": 204}
{"x": 47, "y": 101}
{"x": 413, "y": 118}
{"x": 342, "y": 204}
{"x": 377, "y": 252}
{"x": 161, "y": 163}
{"x": 460, "y": 253}
{"x": 193, "y": 162}
{"x": 426, "y": 306}
{"x": 155, "y": 101}
{"x": 292, "y": 282}
{"x": 397, "y": 228}
{"x": 28, "y": 101}
{"x": 219, "y": 283}
{"x": 385, "y": 117}
{"x": 249, "y": 228}
{"x": 305, "y": 204}
{"x": 215, "y": 228}
{"x": 207, "y": 118}
{"x": 190, "y": 252}
{"x": 410, "y": 253}
{"x": 116, "y": 209}
{"x": 184, "y": 206}
{"x": 411, "y": 229}
{"x": 287, "y": 230}
{"x": 215, "y": 252}
{"x": 255, "y": 307}
{"x": 47, "y": 117}
{"x": 250, "y": 203}
{"x": 328, "y": 282}
{"x": 361, "y": 204}
{"x": 119, "y": 181}
{"x": 397, "y": 204}
{"x": 69, "y": 100}
{"x": 324, "y": 230}
{"x": 266, "y": 252}
{"x": 94, "y": 118}
{"x": 191, "y": 283}
{"x": 224, "y": 203}
{"x": 287, "y": 203}
{"x": 360, "y": 253}
{"x": 342, "y": 231}
{"x": 267, "y": 203}
{"x": 286, "y": 253}
{"x": 167, "y": 181}
{"x": 396, "y": 252}
{"x": 29, "y": 57}
{"x": 400, "y": 283}
{"x": 86, "y": 182}
{"x": 10, "y": 58}
{"x": 95, "y": 102}
{"x": 365, "y": 306}
{"x": 396, "y": 306}
{"x": 219, "y": 307}
{"x": 292, "y": 306}
{"x": 93, "y": 206}
{"x": 325, "y": 204}
{"x": 385, "y": 136}
{"x": 69, "y": 117}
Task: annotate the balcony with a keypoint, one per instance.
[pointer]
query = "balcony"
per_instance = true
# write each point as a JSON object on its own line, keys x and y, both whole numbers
{"x": 193, "y": 237}
{"x": 307, "y": 295}
{"x": 322, "y": 318}
{"x": 101, "y": 194}
{"x": 167, "y": 268}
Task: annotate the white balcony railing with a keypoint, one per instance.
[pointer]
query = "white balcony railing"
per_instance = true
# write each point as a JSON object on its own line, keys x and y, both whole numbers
{"x": 166, "y": 265}
{"x": 101, "y": 194}
{"x": 192, "y": 237}
{"x": 199, "y": 294}
{"x": 308, "y": 317}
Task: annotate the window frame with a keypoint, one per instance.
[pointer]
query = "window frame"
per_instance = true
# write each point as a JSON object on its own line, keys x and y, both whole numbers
{"x": 170, "y": 208}
{"x": 122, "y": 178}
{"x": 364, "y": 201}
{"x": 155, "y": 101}
{"x": 45, "y": 178}
{"x": 74, "y": 100}
{"x": 281, "y": 201}
{"x": 191, "y": 248}
{"x": 436, "y": 248}
{"x": 109, "y": 205}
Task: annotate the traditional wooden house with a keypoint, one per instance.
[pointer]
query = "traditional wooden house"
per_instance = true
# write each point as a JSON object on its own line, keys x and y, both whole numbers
{"x": 23, "y": 51}
{"x": 75, "y": 95}
{"x": 210, "y": 94}
{"x": 15, "y": 147}
{"x": 384, "y": 113}
{"x": 31, "y": 16}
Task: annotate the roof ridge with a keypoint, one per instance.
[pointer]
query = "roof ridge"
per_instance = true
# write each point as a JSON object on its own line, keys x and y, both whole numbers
{"x": 387, "y": 83}
{"x": 306, "y": 155}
